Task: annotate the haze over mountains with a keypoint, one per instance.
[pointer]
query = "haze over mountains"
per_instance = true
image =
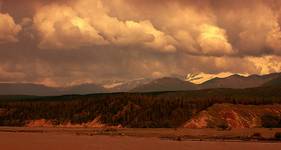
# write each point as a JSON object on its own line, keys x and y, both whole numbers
{"x": 144, "y": 85}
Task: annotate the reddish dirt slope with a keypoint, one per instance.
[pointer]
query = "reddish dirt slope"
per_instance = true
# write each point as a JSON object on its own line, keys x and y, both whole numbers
{"x": 234, "y": 116}
{"x": 96, "y": 123}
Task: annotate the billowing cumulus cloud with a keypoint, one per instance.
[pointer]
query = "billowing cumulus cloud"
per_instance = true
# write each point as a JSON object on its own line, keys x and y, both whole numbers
{"x": 197, "y": 28}
{"x": 65, "y": 42}
{"x": 8, "y": 29}
{"x": 213, "y": 40}
{"x": 253, "y": 29}
{"x": 267, "y": 64}
{"x": 86, "y": 23}
{"x": 249, "y": 28}
{"x": 61, "y": 27}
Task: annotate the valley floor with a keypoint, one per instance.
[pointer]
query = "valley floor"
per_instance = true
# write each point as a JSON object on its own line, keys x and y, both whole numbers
{"x": 136, "y": 139}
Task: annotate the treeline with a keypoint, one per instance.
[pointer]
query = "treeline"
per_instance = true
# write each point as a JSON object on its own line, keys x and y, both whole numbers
{"x": 141, "y": 110}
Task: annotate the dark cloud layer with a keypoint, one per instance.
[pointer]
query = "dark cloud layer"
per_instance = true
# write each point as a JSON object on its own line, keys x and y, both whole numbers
{"x": 63, "y": 42}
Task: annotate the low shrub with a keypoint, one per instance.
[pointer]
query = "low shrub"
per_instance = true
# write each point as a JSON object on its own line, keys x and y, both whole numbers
{"x": 270, "y": 121}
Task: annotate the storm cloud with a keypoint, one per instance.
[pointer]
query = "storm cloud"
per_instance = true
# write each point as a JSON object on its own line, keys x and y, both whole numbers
{"x": 8, "y": 29}
{"x": 59, "y": 42}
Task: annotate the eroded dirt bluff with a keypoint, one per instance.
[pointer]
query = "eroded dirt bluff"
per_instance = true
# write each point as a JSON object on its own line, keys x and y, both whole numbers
{"x": 96, "y": 123}
{"x": 234, "y": 116}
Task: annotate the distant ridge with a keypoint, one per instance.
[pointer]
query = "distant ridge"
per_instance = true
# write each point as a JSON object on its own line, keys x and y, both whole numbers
{"x": 146, "y": 85}
{"x": 27, "y": 89}
{"x": 84, "y": 89}
{"x": 166, "y": 84}
{"x": 42, "y": 90}
{"x": 239, "y": 82}
{"x": 273, "y": 83}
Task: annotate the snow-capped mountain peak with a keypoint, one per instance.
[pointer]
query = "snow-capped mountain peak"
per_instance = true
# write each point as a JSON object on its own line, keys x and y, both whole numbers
{"x": 113, "y": 85}
{"x": 124, "y": 86}
{"x": 198, "y": 78}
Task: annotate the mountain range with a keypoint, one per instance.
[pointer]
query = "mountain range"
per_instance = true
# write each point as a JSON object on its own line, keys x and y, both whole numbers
{"x": 42, "y": 90}
{"x": 239, "y": 82}
{"x": 166, "y": 84}
{"x": 144, "y": 85}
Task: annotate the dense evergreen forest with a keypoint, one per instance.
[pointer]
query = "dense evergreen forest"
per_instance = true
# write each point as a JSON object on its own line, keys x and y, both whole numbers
{"x": 161, "y": 109}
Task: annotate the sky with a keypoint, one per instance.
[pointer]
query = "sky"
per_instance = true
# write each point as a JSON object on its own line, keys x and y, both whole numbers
{"x": 67, "y": 42}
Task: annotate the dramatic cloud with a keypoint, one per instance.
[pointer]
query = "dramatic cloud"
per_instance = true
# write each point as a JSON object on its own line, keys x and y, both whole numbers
{"x": 61, "y": 27}
{"x": 267, "y": 64}
{"x": 254, "y": 28}
{"x": 8, "y": 29}
{"x": 213, "y": 40}
{"x": 65, "y": 42}
{"x": 206, "y": 28}
{"x": 87, "y": 23}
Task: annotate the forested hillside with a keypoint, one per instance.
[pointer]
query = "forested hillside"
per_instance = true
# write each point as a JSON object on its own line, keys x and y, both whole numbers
{"x": 161, "y": 109}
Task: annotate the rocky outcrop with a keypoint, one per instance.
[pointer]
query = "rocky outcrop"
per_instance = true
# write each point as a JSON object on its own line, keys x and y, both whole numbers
{"x": 232, "y": 116}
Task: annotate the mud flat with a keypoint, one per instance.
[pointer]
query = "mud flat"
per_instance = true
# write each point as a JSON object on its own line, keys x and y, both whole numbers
{"x": 133, "y": 139}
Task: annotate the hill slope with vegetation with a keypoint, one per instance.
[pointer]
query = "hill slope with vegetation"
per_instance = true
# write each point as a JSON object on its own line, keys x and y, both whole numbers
{"x": 139, "y": 110}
